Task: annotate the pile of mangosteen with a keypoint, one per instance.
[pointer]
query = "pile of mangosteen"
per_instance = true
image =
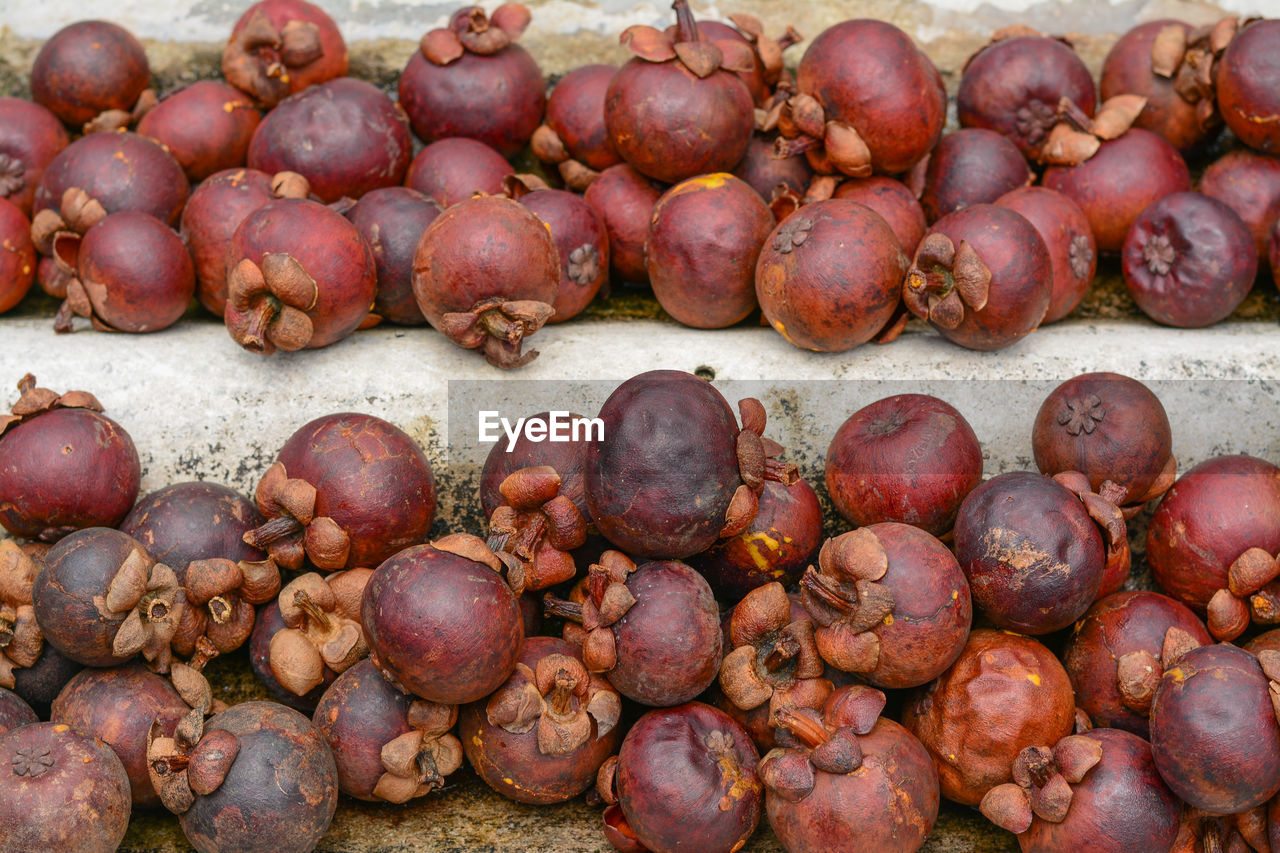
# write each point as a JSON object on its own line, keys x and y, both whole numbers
{"x": 659, "y": 616}
{"x": 299, "y": 204}
{"x": 665, "y": 618}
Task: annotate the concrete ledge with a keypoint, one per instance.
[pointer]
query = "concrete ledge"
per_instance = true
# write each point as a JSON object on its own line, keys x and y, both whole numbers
{"x": 200, "y": 407}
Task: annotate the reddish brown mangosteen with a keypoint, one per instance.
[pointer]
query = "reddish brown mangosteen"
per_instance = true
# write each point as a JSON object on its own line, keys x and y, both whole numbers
{"x": 684, "y": 778}
{"x": 971, "y": 166}
{"x": 566, "y": 457}
{"x": 197, "y": 529}
{"x": 892, "y": 200}
{"x": 1213, "y": 515}
{"x": 121, "y": 171}
{"x": 1113, "y": 430}
{"x": 1073, "y": 253}
{"x": 17, "y": 255}
{"x": 61, "y": 792}
{"x": 889, "y": 603}
{"x": 299, "y": 276}
{"x": 1248, "y": 85}
{"x": 534, "y": 529}
{"x": 21, "y": 641}
{"x": 574, "y": 137}
{"x": 625, "y": 199}
{"x": 1189, "y": 260}
{"x": 819, "y": 295}
{"x": 215, "y": 211}
{"x": 765, "y": 172}
{"x": 1169, "y": 63}
{"x": 30, "y": 137}
{"x": 63, "y": 465}
{"x": 847, "y": 779}
{"x": 89, "y": 70}
{"x": 40, "y": 683}
{"x": 322, "y": 632}
{"x": 344, "y": 136}
{"x": 672, "y": 472}
{"x": 1039, "y": 550}
{"x": 704, "y": 238}
{"x": 132, "y": 274}
{"x": 14, "y": 712}
{"x": 1119, "y": 181}
{"x": 206, "y": 127}
{"x": 869, "y": 100}
{"x": 279, "y": 47}
{"x": 1249, "y": 184}
{"x": 654, "y": 631}
{"x": 678, "y": 109}
{"x": 777, "y": 546}
{"x": 542, "y": 737}
{"x": 266, "y": 625}
{"x": 183, "y": 523}
{"x": 774, "y": 663}
{"x": 982, "y": 277}
{"x": 867, "y": 473}
{"x": 388, "y": 746}
{"x": 440, "y": 623}
{"x": 582, "y": 241}
{"x": 1213, "y": 728}
{"x": 1015, "y": 86}
{"x": 346, "y": 490}
{"x": 455, "y": 169}
{"x": 1098, "y": 790}
{"x": 100, "y": 600}
{"x": 1005, "y": 692}
{"x": 256, "y": 778}
{"x": 118, "y": 706}
{"x": 1119, "y": 649}
{"x": 486, "y": 274}
{"x": 471, "y": 79}
{"x": 392, "y": 220}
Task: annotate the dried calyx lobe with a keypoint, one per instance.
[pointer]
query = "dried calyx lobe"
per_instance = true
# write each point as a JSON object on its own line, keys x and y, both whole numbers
{"x": 21, "y": 640}
{"x": 322, "y": 632}
{"x": 535, "y": 529}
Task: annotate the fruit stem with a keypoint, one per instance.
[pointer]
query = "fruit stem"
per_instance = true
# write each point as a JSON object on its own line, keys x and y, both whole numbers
{"x": 254, "y": 336}
{"x": 811, "y": 732}
{"x": 313, "y": 611}
{"x": 686, "y": 26}
{"x": 822, "y": 589}
{"x": 428, "y": 772}
{"x": 784, "y": 650}
{"x": 561, "y": 609}
{"x": 273, "y": 531}
{"x": 171, "y": 764}
{"x": 562, "y": 692}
